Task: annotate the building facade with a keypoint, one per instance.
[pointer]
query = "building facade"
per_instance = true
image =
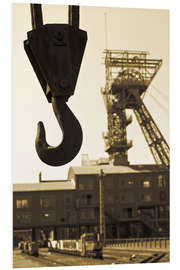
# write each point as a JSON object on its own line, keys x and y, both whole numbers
{"x": 136, "y": 204}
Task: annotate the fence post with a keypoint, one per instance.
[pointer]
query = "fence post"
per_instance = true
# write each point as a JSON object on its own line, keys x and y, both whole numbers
{"x": 151, "y": 243}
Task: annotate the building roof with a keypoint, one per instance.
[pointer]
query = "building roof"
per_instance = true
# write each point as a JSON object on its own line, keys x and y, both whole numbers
{"x": 42, "y": 186}
{"x": 86, "y": 170}
{"x": 109, "y": 169}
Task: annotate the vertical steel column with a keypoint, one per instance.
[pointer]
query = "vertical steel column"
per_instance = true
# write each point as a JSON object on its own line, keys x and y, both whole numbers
{"x": 102, "y": 224}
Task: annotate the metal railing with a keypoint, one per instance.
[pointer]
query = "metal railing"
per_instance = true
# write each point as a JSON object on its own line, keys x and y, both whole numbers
{"x": 146, "y": 243}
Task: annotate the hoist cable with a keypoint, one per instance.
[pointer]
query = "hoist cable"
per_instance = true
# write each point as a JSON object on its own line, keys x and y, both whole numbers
{"x": 157, "y": 101}
{"x": 160, "y": 92}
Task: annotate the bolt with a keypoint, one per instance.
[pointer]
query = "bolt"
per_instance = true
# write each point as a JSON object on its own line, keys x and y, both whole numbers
{"x": 64, "y": 83}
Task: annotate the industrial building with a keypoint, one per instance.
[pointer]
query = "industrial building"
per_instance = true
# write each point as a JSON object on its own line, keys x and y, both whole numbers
{"x": 136, "y": 203}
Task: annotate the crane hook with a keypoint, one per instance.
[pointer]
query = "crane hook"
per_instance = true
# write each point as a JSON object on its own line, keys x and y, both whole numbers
{"x": 55, "y": 52}
{"x": 72, "y": 136}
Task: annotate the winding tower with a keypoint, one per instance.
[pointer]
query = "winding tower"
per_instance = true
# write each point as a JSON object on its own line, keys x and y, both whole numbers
{"x": 128, "y": 75}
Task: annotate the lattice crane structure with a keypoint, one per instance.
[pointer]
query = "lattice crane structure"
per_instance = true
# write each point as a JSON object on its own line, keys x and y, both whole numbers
{"x": 128, "y": 75}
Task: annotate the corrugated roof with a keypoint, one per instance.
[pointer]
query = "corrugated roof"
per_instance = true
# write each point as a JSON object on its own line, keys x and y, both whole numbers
{"x": 109, "y": 169}
{"x": 50, "y": 185}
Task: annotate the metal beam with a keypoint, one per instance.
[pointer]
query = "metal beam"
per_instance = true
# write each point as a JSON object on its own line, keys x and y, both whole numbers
{"x": 36, "y": 15}
{"x": 73, "y": 16}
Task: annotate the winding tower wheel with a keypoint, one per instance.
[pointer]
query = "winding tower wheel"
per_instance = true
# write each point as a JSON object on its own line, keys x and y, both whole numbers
{"x": 128, "y": 75}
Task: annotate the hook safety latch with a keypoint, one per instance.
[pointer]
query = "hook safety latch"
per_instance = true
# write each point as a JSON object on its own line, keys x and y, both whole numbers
{"x": 55, "y": 52}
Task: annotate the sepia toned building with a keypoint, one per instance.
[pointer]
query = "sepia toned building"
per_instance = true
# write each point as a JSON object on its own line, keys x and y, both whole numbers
{"x": 136, "y": 203}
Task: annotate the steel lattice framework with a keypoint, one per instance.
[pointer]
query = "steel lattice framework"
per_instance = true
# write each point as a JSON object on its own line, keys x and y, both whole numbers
{"x": 128, "y": 75}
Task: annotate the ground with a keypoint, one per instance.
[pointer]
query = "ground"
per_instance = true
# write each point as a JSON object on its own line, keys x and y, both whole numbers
{"x": 111, "y": 256}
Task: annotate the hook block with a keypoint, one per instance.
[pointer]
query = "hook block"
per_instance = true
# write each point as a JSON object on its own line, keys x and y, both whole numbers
{"x": 55, "y": 52}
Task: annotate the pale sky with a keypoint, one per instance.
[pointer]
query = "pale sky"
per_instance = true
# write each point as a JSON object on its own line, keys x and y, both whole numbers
{"x": 133, "y": 29}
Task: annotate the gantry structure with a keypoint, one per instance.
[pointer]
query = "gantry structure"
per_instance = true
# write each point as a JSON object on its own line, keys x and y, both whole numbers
{"x": 128, "y": 75}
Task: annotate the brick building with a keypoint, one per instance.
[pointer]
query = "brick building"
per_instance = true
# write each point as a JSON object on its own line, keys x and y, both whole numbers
{"x": 136, "y": 203}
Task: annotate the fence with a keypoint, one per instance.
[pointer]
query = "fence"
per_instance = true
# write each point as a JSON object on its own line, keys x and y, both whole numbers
{"x": 146, "y": 243}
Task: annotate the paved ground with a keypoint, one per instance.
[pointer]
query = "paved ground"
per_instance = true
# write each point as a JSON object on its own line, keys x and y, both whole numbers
{"x": 111, "y": 256}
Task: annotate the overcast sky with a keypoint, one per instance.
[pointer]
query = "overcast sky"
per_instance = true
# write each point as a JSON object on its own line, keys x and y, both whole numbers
{"x": 133, "y": 29}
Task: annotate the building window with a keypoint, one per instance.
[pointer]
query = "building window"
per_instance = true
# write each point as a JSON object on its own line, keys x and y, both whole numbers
{"x": 162, "y": 195}
{"x": 23, "y": 203}
{"x": 146, "y": 197}
{"x": 110, "y": 210}
{"x": 108, "y": 184}
{"x": 82, "y": 214}
{"x": 47, "y": 202}
{"x": 67, "y": 200}
{"x": 81, "y": 186}
{"x": 129, "y": 210}
{"x": 163, "y": 211}
{"x": 89, "y": 199}
{"x": 161, "y": 181}
{"x": 161, "y": 208}
{"x": 91, "y": 186}
{"x": 87, "y": 186}
{"x": 24, "y": 218}
{"x": 124, "y": 212}
{"x": 146, "y": 212}
{"x": 109, "y": 199}
{"x": 146, "y": 184}
{"x": 48, "y": 216}
{"x": 70, "y": 214}
{"x": 87, "y": 214}
{"x": 130, "y": 182}
{"x": 85, "y": 200}
{"x": 67, "y": 215}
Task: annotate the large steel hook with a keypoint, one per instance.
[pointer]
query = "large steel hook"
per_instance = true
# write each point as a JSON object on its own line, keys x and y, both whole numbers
{"x": 55, "y": 52}
{"x": 72, "y": 136}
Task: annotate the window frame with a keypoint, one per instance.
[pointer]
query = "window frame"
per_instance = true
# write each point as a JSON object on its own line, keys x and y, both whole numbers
{"x": 48, "y": 220}
{"x": 50, "y": 198}
{"x": 21, "y": 219}
{"x": 68, "y": 200}
{"x": 21, "y": 199}
{"x": 162, "y": 182}
{"x": 144, "y": 197}
{"x": 144, "y": 183}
